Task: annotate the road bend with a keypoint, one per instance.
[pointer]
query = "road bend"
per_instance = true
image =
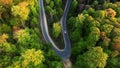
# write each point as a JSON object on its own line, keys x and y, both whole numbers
{"x": 63, "y": 53}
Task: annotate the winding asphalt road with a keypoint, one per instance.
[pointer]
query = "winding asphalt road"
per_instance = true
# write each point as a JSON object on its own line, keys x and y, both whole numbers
{"x": 66, "y": 52}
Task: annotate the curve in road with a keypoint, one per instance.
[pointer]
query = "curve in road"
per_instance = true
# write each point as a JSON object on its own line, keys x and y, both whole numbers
{"x": 66, "y": 52}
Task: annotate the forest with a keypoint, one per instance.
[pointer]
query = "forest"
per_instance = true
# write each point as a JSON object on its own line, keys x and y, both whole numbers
{"x": 92, "y": 25}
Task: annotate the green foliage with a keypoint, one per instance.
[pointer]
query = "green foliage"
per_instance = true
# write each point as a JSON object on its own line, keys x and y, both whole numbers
{"x": 22, "y": 36}
{"x": 21, "y": 10}
{"x": 113, "y": 62}
{"x": 58, "y": 3}
{"x": 74, "y": 4}
{"x": 56, "y": 29}
{"x": 100, "y": 14}
{"x": 54, "y": 9}
{"x": 114, "y": 6}
{"x": 27, "y": 38}
{"x": 47, "y": 1}
{"x": 93, "y": 37}
{"x": 4, "y": 61}
{"x": 78, "y": 47}
{"x": 116, "y": 32}
{"x": 107, "y": 28}
{"x": 91, "y": 11}
{"x": 79, "y": 21}
{"x": 76, "y": 26}
{"x": 73, "y": 8}
{"x": 52, "y": 60}
{"x": 6, "y": 50}
{"x": 93, "y": 28}
{"x": 21, "y": 44}
{"x": 4, "y": 28}
{"x": 93, "y": 58}
{"x": 30, "y": 58}
{"x": 95, "y": 3}
{"x": 7, "y": 47}
{"x": 33, "y": 56}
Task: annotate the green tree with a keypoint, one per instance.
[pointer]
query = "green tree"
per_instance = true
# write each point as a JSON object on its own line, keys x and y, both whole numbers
{"x": 30, "y": 58}
{"x": 94, "y": 58}
{"x": 56, "y": 29}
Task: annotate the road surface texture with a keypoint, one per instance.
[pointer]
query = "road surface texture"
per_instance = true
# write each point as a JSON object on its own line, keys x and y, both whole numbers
{"x": 63, "y": 53}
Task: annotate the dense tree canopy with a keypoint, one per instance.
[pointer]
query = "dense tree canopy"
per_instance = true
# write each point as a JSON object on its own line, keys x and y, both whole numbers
{"x": 93, "y": 27}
